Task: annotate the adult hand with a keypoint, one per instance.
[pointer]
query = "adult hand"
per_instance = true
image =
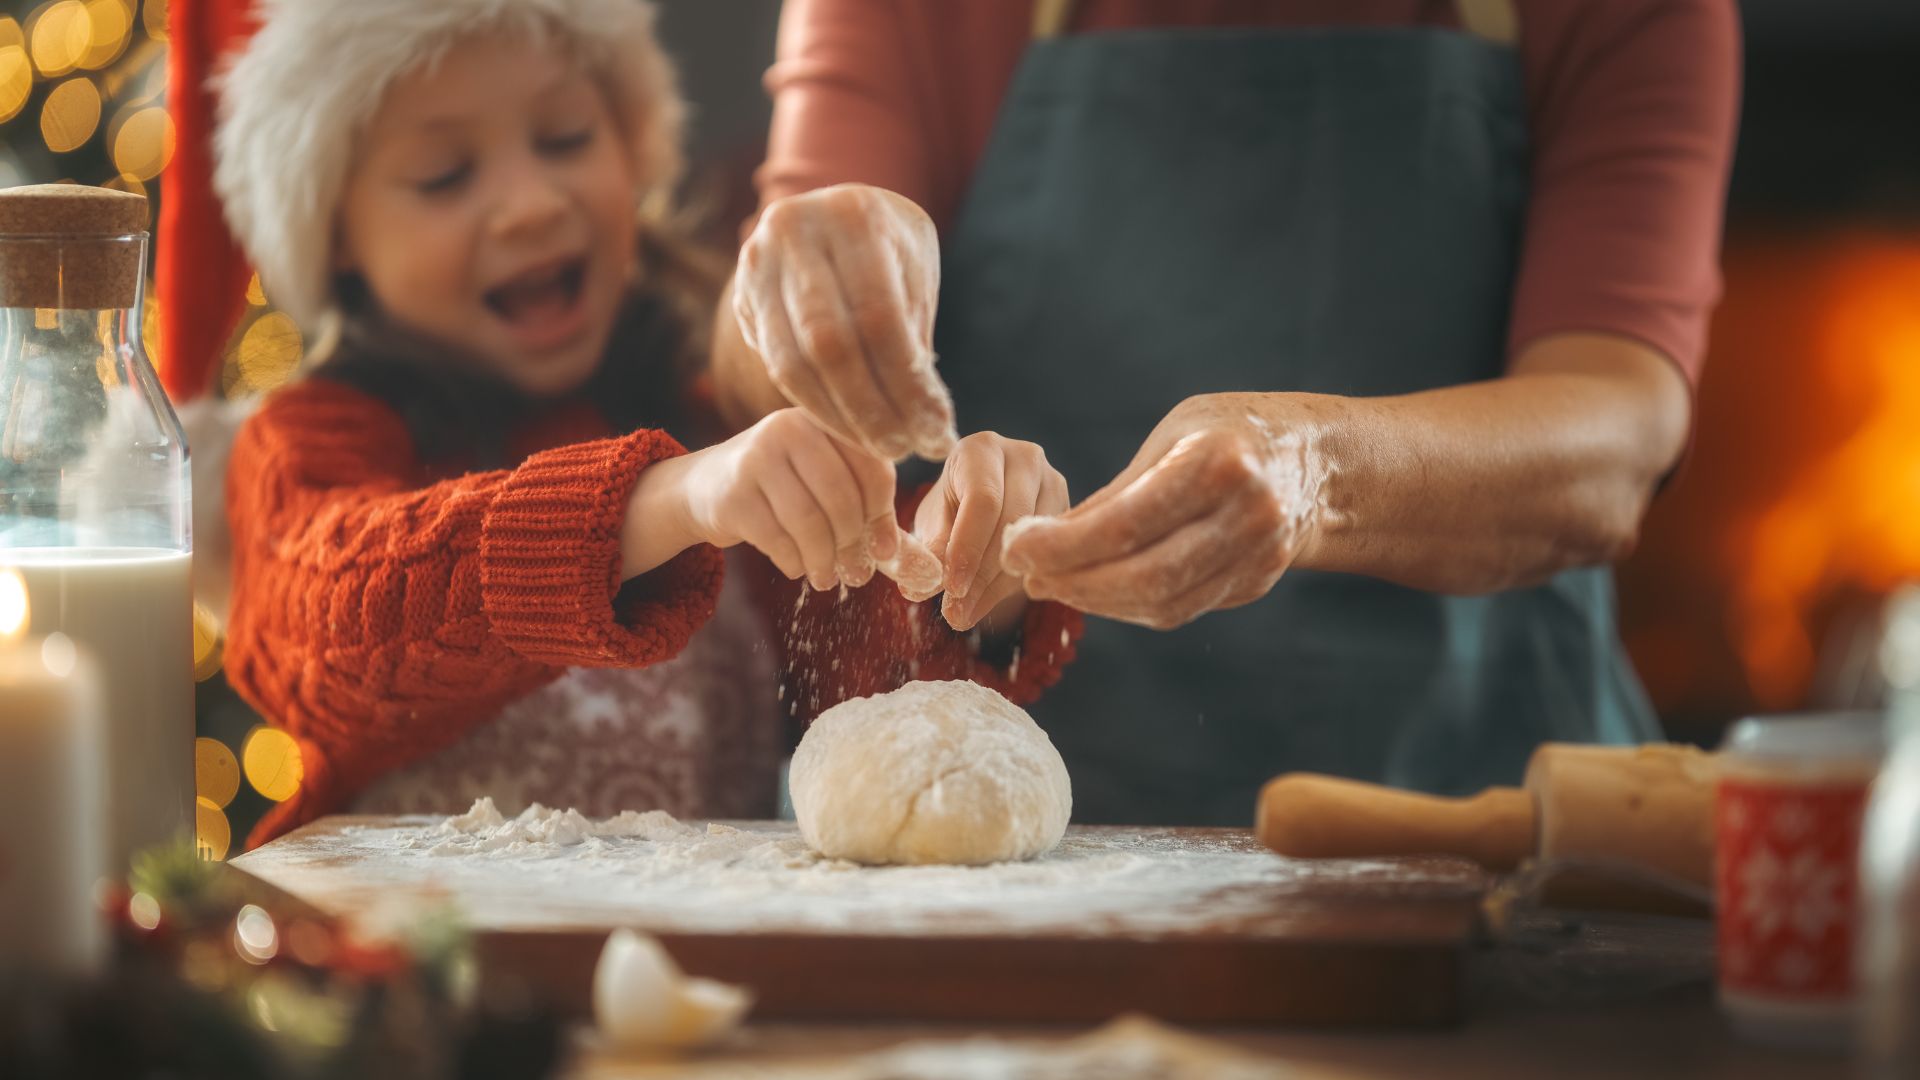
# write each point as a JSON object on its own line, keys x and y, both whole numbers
{"x": 1220, "y": 500}
{"x": 989, "y": 482}
{"x": 835, "y": 290}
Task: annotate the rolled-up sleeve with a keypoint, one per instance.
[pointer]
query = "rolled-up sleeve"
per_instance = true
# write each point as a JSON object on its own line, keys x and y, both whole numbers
{"x": 1635, "y": 106}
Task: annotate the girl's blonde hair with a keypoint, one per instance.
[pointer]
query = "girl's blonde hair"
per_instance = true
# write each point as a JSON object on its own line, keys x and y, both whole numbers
{"x": 293, "y": 103}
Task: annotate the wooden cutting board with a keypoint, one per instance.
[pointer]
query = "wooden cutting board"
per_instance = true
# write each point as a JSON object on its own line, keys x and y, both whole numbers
{"x": 1189, "y": 925}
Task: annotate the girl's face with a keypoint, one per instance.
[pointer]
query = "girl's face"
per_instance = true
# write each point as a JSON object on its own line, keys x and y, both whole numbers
{"x": 492, "y": 206}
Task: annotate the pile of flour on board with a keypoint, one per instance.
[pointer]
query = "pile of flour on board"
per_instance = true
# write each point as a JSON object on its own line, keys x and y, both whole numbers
{"x": 484, "y": 828}
{"x": 549, "y": 867}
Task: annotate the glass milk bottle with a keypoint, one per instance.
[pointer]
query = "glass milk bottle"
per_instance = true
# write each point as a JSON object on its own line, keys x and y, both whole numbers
{"x": 94, "y": 490}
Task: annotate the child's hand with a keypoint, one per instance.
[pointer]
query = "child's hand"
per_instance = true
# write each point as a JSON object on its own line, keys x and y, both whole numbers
{"x": 989, "y": 482}
{"x": 815, "y": 505}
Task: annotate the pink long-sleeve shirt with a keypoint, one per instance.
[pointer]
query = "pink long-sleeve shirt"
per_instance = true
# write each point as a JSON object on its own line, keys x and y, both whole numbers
{"x": 1632, "y": 110}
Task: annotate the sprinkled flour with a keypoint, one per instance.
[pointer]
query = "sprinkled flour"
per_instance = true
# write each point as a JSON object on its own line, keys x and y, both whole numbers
{"x": 557, "y": 868}
{"x": 1132, "y": 1048}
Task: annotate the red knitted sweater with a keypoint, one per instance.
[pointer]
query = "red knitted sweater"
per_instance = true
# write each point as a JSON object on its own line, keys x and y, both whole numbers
{"x": 383, "y": 607}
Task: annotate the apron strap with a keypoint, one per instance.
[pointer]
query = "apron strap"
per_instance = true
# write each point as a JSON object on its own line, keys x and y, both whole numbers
{"x": 1495, "y": 20}
{"x": 1050, "y": 18}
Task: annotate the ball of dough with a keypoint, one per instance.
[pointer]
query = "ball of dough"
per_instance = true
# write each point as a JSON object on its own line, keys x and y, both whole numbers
{"x": 934, "y": 772}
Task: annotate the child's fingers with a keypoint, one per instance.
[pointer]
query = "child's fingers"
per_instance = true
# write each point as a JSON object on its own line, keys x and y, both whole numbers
{"x": 760, "y": 528}
{"x": 826, "y": 473}
{"x": 1025, "y": 472}
{"x": 978, "y": 481}
{"x": 876, "y": 479}
{"x": 965, "y": 614}
{"x": 801, "y": 517}
{"x": 1054, "y": 497}
{"x": 933, "y": 520}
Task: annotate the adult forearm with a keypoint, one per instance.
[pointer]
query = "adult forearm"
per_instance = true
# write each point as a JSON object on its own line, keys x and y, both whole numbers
{"x": 1497, "y": 484}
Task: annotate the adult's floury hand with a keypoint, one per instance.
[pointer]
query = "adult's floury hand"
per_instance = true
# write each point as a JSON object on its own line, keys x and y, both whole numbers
{"x": 835, "y": 290}
{"x": 1217, "y": 504}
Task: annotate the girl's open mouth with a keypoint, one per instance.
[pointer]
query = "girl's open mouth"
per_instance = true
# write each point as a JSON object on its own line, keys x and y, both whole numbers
{"x": 543, "y": 305}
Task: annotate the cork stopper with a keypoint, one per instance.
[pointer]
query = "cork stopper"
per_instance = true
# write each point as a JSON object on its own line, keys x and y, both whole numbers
{"x": 72, "y": 247}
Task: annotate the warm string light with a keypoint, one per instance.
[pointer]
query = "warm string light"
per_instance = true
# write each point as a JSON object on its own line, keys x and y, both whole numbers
{"x": 58, "y": 37}
{"x": 108, "y": 29}
{"x": 70, "y": 115}
{"x": 121, "y": 113}
{"x": 209, "y": 644}
{"x": 16, "y": 70}
{"x": 216, "y": 780}
{"x": 13, "y": 606}
{"x": 272, "y": 762}
{"x": 142, "y": 142}
{"x": 268, "y": 353}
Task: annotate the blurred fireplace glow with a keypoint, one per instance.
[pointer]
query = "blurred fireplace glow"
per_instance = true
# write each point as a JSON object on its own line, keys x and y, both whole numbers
{"x": 1802, "y": 492}
{"x": 1848, "y": 519}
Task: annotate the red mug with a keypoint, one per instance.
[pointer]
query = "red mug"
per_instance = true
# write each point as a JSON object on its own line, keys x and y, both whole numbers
{"x": 1787, "y": 813}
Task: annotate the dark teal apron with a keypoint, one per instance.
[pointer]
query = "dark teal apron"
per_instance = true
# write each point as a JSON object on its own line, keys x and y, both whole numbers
{"x": 1162, "y": 214}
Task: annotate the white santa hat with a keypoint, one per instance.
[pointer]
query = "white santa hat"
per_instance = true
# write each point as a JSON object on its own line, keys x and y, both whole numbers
{"x": 293, "y": 102}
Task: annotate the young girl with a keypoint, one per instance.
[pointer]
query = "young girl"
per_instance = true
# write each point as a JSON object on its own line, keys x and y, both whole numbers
{"x": 466, "y": 550}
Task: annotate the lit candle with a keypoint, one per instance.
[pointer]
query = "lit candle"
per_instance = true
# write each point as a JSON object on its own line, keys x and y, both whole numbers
{"x": 52, "y": 820}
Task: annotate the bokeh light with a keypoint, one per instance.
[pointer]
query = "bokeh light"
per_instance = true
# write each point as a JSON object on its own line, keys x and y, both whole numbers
{"x": 144, "y": 911}
{"x": 13, "y": 604}
{"x": 70, "y": 115}
{"x": 59, "y": 655}
{"x": 58, "y": 36}
{"x": 108, "y": 25}
{"x": 268, "y": 353}
{"x": 209, "y": 645}
{"x": 216, "y": 772}
{"x": 254, "y": 935}
{"x": 143, "y": 143}
{"x": 16, "y": 70}
{"x": 272, "y": 762}
{"x": 212, "y": 835}
{"x": 125, "y": 183}
{"x": 153, "y": 16}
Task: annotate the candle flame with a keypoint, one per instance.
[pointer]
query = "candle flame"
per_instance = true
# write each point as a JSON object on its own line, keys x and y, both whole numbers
{"x": 13, "y": 606}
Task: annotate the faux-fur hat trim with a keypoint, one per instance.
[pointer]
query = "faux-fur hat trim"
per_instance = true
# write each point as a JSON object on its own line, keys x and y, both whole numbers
{"x": 293, "y": 103}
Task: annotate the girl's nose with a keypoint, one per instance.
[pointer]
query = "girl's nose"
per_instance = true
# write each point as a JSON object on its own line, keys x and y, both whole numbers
{"x": 531, "y": 203}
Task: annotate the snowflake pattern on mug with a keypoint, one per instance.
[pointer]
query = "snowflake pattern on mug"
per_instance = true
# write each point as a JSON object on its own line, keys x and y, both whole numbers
{"x": 1786, "y": 859}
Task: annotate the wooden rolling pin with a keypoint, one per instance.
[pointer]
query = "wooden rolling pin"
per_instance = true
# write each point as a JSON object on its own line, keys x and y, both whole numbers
{"x": 1648, "y": 805}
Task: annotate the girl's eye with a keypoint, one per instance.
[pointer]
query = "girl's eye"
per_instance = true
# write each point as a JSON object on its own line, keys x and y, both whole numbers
{"x": 563, "y": 144}
{"x": 443, "y": 182}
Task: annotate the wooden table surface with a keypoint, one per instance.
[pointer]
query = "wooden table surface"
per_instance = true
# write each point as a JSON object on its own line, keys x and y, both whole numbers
{"x": 1562, "y": 995}
{"x": 1547, "y": 994}
{"x": 1193, "y": 925}
{"x": 1675, "y": 1033}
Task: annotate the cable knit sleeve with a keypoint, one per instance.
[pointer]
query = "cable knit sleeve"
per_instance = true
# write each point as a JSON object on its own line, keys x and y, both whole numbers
{"x": 378, "y": 616}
